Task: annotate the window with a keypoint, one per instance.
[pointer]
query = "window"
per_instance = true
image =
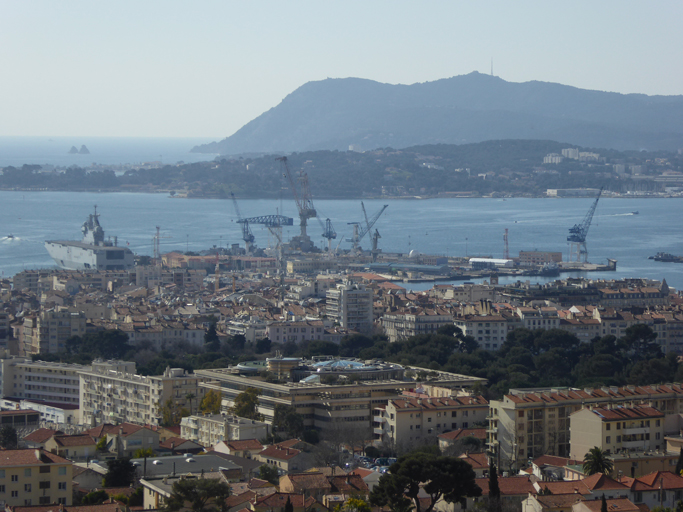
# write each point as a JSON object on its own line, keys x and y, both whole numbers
{"x": 44, "y": 469}
{"x": 61, "y": 486}
{"x": 2, "y": 489}
{"x": 62, "y": 471}
{"x": 27, "y": 487}
{"x": 27, "y": 472}
{"x": 44, "y": 485}
{"x": 454, "y": 414}
{"x": 28, "y": 502}
{"x": 61, "y": 501}
{"x": 520, "y": 414}
{"x": 15, "y": 494}
{"x": 608, "y": 439}
{"x": 618, "y": 426}
{"x": 618, "y": 439}
{"x": 44, "y": 500}
{"x": 657, "y": 423}
{"x": 608, "y": 426}
{"x": 15, "y": 478}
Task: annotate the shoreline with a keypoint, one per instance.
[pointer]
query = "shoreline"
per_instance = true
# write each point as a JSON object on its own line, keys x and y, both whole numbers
{"x": 333, "y": 198}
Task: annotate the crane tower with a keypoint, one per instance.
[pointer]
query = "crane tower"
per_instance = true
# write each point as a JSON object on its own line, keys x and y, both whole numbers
{"x": 304, "y": 203}
{"x": 577, "y": 234}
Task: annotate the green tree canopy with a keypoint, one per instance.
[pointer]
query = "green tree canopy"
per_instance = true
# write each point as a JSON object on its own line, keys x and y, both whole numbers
{"x": 199, "y": 495}
{"x": 269, "y": 473}
{"x": 211, "y": 403}
{"x": 246, "y": 404}
{"x": 449, "y": 478}
{"x": 120, "y": 473}
{"x": 8, "y": 437}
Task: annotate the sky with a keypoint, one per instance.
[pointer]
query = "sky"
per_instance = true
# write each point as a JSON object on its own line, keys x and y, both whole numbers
{"x": 206, "y": 68}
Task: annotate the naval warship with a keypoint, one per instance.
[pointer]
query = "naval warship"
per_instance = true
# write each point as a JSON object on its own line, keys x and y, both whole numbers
{"x": 92, "y": 252}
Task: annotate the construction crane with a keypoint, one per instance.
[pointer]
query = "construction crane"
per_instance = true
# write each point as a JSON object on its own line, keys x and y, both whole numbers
{"x": 375, "y": 238}
{"x": 304, "y": 203}
{"x": 329, "y": 233}
{"x": 247, "y": 235}
{"x": 360, "y": 232}
{"x": 578, "y": 233}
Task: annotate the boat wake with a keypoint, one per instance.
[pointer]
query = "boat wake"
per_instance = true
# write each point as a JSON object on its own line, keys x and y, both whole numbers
{"x": 9, "y": 239}
{"x": 622, "y": 214}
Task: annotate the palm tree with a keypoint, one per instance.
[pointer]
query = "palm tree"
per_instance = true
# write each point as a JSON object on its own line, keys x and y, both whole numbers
{"x": 596, "y": 461}
{"x": 189, "y": 397}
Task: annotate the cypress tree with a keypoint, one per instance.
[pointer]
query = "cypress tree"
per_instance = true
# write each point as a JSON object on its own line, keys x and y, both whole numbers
{"x": 603, "y": 507}
{"x": 494, "y": 489}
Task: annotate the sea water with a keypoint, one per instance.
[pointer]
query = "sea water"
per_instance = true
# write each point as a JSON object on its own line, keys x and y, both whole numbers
{"x": 449, "y": 227}
{"x": 18, "y": 151}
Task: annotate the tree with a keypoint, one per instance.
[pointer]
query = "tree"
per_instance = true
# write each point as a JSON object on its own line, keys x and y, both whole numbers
{"x": 212, "y": 342}
{"x": 269, "y": 473}
{"x": 171, "y": 413}
{"x": 246, "y": 404}
{"x": 288, "y": 506}
{"x": 285, "y": 418}
{"x": 355, "y": 505}
{"x": 448, "y": 478}
{"x": 95, "y": 498}
{"x": 603, "y": 505}
{"x": 494, "y": 490}
{"x": 8, "y": 437}
{"x": 679, "y": 464}
{"x": 101, "y": 445}
{"x": 211, "y": 403}
{"x": 120, "y": 473}
{"x": 197, "y": 494}
{"x": 141, "y": 453}
{"x": 190, "y": 397}
{"x": 596, "y": 461}
{"x": 263, "y": 346}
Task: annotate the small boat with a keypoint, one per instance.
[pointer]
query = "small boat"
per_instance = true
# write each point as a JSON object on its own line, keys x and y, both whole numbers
{"x": 10, "y": 236}
{"x": 634, "y": 213}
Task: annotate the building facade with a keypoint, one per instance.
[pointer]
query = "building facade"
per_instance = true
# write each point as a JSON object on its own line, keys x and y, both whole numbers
{"x": 351, "y": 306}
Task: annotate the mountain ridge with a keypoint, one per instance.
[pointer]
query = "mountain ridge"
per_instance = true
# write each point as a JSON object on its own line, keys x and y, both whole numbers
{"x": 338, "y": 112}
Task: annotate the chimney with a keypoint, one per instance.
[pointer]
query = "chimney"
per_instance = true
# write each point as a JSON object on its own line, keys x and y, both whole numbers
{"x": 37, "y": 452}
{"x": 120, "y": 431}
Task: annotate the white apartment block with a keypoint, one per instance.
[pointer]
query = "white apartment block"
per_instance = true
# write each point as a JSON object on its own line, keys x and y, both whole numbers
{"x": 47, "y": 332}
{"x": 113, "y": 392}
{"x": 40, "y": 380}
{"x": 351, "y": 306}
{"x": 407, "y": 421}
{"x": 402, "y": 325}
{"x": 210, "y": 429}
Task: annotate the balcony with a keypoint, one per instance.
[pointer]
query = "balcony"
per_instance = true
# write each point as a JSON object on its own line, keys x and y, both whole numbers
{"x": 378, "y": 419}
{"x": 635, "y": 431}
{"x": 636, "y": 444}
{"x": 379, "y": 431}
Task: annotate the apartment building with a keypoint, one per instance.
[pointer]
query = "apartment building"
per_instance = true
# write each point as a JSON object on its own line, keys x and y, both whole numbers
{"x": 402, "y": 325}
{"x": 210, "y": 429}
{"x": 47, "y": 332}
{"x": 617, "y": 429}
{"x": 490, "y": 331}
{"x": 324, "y": 405}
{"x": 528, "y": 423}
{"x": 4, "y": 328}
{"x": 407, "y": 421}
{"x": 112, "y": 391}
{"x": 23, "y": 378}
{"x": 34, "y": 477}
{"x": 351, "y": 306}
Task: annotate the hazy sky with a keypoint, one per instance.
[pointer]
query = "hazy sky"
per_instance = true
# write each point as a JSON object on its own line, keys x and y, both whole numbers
{"x": 167, "y": 68}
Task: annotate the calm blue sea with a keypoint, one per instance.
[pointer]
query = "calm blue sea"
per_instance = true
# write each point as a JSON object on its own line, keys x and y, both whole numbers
{"x": 18, "y": 151}
{"x": 433, "y": 226}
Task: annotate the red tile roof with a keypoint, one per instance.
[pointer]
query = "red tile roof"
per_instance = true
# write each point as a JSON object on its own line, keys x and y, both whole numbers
{"x": 349, "y": 484}
{"x": 29, "y": 457}
{"x": 627, "y": 413}
{"x": 174, "y": 442}
{"x": 509, "y": 486}
{"x": 558, "y": 500}
{"x": 435, "y": 403}
{"x": 75, "y": 440}
{"x": 245, "y": 444}
{"x": 461, "y": 433}
{"x": 41, "y": 435}
{"x": 278, "y": 452}
{"x": 277, "y": 500}
{"x": 103, "y": 507}
{"x": 651, "y": 481}
{"x": 239, "y": 499}
{"x": 476, "y": 460}
{"x": 615, "y": 505}
{"x": 599, "y": 481}
{"x": 107, "y": 428}
{"x": 303, "y": 481}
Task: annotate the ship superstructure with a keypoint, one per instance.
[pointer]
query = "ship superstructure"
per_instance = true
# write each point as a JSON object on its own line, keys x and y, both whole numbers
{"x": 93, "y": 252}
